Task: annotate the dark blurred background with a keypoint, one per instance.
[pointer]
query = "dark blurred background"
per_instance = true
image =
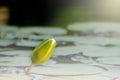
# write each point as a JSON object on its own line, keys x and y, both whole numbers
{"x": 61, "y": 12}
{"x": 34, "y": 12}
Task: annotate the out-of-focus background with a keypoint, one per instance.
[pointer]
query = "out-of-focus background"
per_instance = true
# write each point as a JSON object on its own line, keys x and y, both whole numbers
{"x": 57, "y": 12}
{"x": 87, "y": 34}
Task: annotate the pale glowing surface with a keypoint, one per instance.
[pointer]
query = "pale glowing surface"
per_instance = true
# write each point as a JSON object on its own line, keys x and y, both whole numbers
{"x": 95, "y": 27}
{"x": 90, "y": 40}
{"x": 6, "y": 42}
{"x": 43, "y": 30}
{"x": 78, "y": 78}
{"x": 8, "y": 28}
{"x": 27, "y": 43}
{"x": 14, "y": 77}
{"x": 67, "y": 50}
{"x": 109, "y": 60}
{"x": 17, "y": 52}
{"x": 66, "y": 69}
{"x": 103, "y": 52}
{"x": 88, "y": 50}
{"x": 15, "y": 61}
{"x": 82, "y": 26}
